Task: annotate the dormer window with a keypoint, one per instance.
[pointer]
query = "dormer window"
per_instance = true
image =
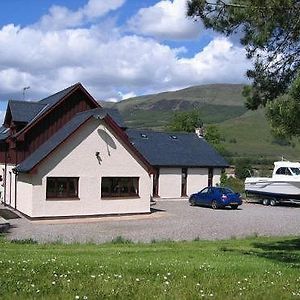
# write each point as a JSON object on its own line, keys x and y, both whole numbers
{"x": 144, "y": 136}
{"x": 173, "y": 137}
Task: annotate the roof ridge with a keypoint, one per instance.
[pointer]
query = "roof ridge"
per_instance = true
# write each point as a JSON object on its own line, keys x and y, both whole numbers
{"x": 61, "y": 91}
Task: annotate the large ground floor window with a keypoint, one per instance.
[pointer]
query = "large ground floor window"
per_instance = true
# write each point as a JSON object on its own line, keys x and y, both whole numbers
{"x": 120, "y": 186}
{"x": 62, "y": 187}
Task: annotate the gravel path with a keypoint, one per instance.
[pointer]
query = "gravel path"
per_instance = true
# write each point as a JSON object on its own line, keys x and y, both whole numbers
{"x": 174, "y": 220}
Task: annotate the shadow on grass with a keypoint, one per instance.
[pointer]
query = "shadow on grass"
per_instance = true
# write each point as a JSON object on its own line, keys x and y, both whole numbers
{"x": 285, "y": 251}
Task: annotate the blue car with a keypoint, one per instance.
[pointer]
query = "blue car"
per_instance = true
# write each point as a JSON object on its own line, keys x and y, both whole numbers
{"x": 216, "y": 197}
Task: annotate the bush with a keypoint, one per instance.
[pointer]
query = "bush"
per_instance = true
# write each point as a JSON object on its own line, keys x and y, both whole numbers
{"x": 237, "y": 185}
{"x": 243, "y": 168}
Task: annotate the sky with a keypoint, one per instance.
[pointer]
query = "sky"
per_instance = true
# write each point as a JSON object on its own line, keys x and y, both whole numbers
{"x": 117, "y": 49}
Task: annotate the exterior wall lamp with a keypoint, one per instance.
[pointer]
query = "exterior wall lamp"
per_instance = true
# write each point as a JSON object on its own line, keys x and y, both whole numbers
{"x": 97, "y": 154}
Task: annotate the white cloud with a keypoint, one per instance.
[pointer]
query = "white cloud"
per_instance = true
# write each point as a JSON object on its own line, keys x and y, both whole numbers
{"x": 60, "y": 17}
{"x": 165, "y": 20}
{"x": 107, "y": 62}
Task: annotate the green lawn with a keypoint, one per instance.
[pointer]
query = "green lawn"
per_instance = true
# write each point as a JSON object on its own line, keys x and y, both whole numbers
{"x": 254, "y": 268}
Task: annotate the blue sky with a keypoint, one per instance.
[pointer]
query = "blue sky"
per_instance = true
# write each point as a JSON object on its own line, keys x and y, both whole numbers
{"x": 116, "y": 48}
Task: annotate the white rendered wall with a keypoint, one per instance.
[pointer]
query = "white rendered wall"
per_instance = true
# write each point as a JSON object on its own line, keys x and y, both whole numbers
{"x": 76, "y": 158}
{"x": 217, "y": 176}
{"x": 24, "y": 194}
{"x": 197, "y": 179}
{"x": 169, "y": 182}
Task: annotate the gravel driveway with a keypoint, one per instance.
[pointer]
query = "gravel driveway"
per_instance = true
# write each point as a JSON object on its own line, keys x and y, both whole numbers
{"x": 174, "y": 220}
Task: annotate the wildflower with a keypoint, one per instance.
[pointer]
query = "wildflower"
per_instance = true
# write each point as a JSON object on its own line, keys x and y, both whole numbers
{"x": 53, "y": 282}
{"x": 137, "y": 279}
{"x": 77, "y": 297}
{"x": 167, "y": 282}
{"x": 93, "y": 276}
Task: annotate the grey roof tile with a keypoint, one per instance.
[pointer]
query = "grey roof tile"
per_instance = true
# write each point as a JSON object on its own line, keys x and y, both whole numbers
{"x": 175, "y": 149}
{"x": 24, "y": 111}
{"x": 53, "y": 99}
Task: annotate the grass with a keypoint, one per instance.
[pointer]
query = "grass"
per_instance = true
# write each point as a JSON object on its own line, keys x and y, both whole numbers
{"x": 253, "y": 268}
{"x": 253, "y": 138}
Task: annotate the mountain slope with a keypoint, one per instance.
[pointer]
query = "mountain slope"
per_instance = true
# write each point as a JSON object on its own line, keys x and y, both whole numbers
{"x": 217, "y": 103}
{"x": 245, "y": 133}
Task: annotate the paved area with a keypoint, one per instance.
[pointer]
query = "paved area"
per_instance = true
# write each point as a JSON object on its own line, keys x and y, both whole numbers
{"x": 4, "y": 224}
{"x": 174, "y": 220}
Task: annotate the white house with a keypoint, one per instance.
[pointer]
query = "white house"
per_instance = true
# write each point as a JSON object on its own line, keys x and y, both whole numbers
{"x": 66, "y": 156}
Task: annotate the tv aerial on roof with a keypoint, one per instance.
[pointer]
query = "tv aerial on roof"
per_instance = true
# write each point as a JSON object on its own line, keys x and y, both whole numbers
{"x": 24, "y": 90}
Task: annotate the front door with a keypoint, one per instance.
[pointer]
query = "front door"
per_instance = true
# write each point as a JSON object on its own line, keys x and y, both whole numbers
{"x": 183, "y": 182}
{"x": 155, "y": 183}
{"x": 210, "y": 176}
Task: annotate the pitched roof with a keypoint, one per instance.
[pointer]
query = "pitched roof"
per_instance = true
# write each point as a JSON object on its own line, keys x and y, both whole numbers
{"x": 53, "y": 99}
{"x": 45, "y": 149}
{"x": 115, "y": 114}
{"x": 24, "y": 111}
{"x": 4, "y": 133}
{"x": 60, "y": 136}
{"x": 175, "y": 149}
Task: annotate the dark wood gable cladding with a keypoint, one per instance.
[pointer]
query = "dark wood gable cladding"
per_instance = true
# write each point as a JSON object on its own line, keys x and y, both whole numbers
{"x": 50, "y": 122}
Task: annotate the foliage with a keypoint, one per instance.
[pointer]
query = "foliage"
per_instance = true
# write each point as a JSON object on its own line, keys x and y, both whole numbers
{"x": 283, "y": 113}
{"x": 228, "y": 269}
{"x": 212, "y": 134}
{"x": 185, "y": 121}
{"x": 235, "y": 184}
{"x": 243, "y": 168}
{"x": 270, "y": 32}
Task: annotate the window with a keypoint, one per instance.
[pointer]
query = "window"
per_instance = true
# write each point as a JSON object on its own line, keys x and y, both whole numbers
{"x": 204, "y": 191}
{"x": 283, "y": 171}
{"x": 296, "y": 171}
{"x": 120, "y": 186}
{"x": 62, "y": 187}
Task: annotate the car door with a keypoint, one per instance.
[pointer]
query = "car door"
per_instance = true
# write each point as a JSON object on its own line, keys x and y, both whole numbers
{"x": 209, "y": 196}
{"x": 202, "y": 197}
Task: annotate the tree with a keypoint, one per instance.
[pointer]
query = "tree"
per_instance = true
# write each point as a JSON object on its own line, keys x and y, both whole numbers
{"x": 186, "y": 121}
{"x": 270, "y": 33}
{"x": 213, "y": 135}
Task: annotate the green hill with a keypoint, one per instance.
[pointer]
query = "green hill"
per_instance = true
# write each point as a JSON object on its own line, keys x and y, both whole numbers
{"x": 245, "y": 133}
{"x": 218, "y": 102}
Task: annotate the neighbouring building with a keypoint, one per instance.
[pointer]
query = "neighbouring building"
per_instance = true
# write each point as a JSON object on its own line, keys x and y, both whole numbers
{"x": 67, "y": 156}
{"x": 183, "y": 163}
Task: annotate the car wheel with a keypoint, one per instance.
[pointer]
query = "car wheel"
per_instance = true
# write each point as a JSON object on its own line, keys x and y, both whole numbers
{"x": 265, "y": 202}
{"x": 234, "y": 206}
{"x": 214, "y": 204}
{"x": 273, "y": 202}
{"x": 192, "y": 202}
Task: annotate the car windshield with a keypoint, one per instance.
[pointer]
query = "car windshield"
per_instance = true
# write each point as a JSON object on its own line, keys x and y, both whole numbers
{"x": 226, "y": 191}
{"x": 296, "y": 171}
